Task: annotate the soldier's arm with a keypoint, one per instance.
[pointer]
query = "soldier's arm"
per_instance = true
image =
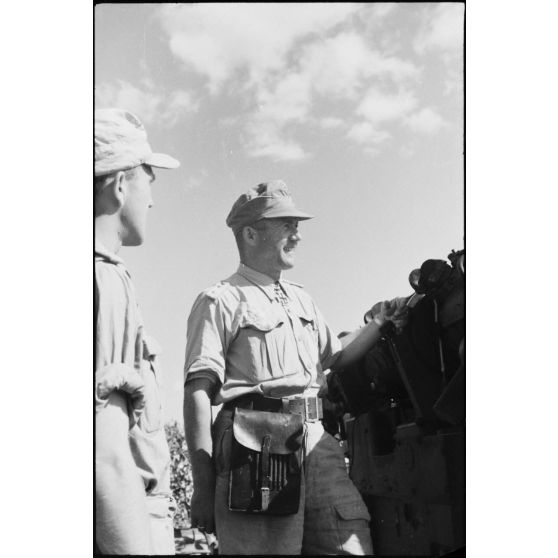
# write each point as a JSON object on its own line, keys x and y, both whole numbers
{"x": 356, "y": 344}
{"x": 122, "y": 524}
{"x": 197, "y": 426}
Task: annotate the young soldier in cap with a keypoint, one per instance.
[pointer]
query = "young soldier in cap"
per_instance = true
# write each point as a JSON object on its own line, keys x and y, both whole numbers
{"x": 134, "y": 507}
{"x": 258, "y": 342}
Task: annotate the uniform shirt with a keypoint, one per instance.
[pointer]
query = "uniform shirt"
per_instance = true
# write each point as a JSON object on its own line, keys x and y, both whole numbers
{"x": 244, "y": 340}
{"x": 126, "y": 360}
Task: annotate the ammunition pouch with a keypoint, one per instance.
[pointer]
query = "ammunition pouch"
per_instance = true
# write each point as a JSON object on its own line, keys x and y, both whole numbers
{"x": 266, "y": 462}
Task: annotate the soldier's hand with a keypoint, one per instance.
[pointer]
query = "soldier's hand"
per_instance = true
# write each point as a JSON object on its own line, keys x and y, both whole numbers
{"x": 398, "y": 313}
{"x": 202, "y": 509}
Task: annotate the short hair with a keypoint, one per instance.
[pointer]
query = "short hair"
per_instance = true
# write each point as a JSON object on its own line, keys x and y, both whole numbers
{"x": 239, "y": 241}
{"x": 239, "y": 237}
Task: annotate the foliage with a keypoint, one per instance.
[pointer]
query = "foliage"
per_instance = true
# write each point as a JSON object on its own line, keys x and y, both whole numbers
{"x": 181, "y": 474}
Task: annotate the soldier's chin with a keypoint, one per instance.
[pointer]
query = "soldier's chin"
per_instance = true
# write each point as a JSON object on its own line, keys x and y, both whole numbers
{"x": 288, "y": 258}
{"x": 133, "y": 239}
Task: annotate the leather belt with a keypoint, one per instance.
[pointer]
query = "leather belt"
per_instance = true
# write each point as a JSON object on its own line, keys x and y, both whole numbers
{"x": 309, "y": 407}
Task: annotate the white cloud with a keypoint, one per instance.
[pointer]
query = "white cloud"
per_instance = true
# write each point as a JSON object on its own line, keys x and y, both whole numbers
{"x": 150, "y": 105}
{"x": 453, "y": 82}
{"x": 279, "y": 150}
{"x": 442, "y": 34}
{"x": 382, "y": 9}
{"x": 217, "y": 40}
{"x": 381, "y": 107}
{"x": 330, "y": 122}
{"x": 288, "y": 100}
{"x": 443, "y": 29}
{"x": 426, "y": 121}
{"x": 338, "y": 66}
{"x": 366, "y": 133}
{"x": 266, "y": 140}
{"x": 287, "y": 59}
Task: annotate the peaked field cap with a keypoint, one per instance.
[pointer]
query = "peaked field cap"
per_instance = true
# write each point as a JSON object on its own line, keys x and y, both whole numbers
{"x": 121, "y": 143}
{"x": 265, "y": 201}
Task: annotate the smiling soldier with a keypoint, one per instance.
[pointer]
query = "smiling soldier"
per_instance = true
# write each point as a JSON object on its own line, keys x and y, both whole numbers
{"x": 267, "y": 477}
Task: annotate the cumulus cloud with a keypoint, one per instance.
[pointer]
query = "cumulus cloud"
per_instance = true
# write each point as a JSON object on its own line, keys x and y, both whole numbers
{"x": 442, "y": 34}
{"x": 284, "y": 60}
{"x": 334, "y": 68}
{"x": 443, "y": 29}
{"x": 330, "y": 122}
{"x": 217, "y": 40}
{"x": 278, "y": 149}
{"x": 265, "y": 139}
{"x": 338, "y": 66}
{"x": 288, "y": 100}
{"x": 150, "y": 105}
{"x": 378, "y": 106}
{"x": 425, "y": 121}
{"x": 250, "y": 45}
{"x": 382, "y": 9}
{"x": 367, "y": 134}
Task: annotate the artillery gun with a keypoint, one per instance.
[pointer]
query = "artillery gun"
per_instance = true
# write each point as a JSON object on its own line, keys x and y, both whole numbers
{"x": 403, "y": 417}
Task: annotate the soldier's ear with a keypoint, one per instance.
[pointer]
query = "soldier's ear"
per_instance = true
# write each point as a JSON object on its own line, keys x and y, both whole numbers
{"x": 249, "y": 235}
{"x": 119, "y": 189}
{"x": 111, "y": 194}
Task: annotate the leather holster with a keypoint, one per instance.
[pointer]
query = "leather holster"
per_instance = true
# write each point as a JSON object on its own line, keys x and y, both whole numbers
{"x": 266, "y": 462}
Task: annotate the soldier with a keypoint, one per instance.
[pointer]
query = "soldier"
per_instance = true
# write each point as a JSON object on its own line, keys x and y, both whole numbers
{"x": 256, "y": 341}
{"x": 134, "y": 506}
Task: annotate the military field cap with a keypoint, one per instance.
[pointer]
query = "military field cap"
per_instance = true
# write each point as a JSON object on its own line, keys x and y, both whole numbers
{"x": 265, "y": 201}
{"x": 121, "y": 143}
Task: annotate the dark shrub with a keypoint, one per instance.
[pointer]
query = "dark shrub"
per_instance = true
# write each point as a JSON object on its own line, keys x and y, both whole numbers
{"x": 181, "y": 474}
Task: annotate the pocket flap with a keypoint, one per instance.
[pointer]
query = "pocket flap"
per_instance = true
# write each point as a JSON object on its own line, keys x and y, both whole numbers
{"x": 259, "y": 322}
{"x": 352, "y": 510}
{"x": 304, "y": 316}
{"x": 250, "y": 427}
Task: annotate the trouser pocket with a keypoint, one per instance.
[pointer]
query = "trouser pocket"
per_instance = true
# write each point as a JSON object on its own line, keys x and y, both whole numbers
{"x": 338, "y": 529}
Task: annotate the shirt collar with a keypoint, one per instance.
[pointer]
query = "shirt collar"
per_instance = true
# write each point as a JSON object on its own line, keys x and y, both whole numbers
{"x": 261, "y": 280}
{"x": 103, "y": 253}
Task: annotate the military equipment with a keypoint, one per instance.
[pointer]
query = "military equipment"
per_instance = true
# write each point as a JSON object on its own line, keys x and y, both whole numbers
{"x": 403, "y": 409}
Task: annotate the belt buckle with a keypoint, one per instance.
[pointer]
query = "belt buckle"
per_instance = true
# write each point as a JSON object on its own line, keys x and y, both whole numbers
{"x": 312, "y": 407}
{"x": 307, "y": 407}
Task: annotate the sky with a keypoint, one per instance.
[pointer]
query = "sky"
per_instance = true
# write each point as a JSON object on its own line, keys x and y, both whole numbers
{"x": 357, "y": 107}
{"x": 47, "y": 227}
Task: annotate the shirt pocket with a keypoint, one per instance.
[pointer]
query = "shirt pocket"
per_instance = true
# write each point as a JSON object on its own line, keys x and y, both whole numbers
{"x": 261, "y": 340}
{"x": 306, "y": 335}
{"x": 151, "y": 418}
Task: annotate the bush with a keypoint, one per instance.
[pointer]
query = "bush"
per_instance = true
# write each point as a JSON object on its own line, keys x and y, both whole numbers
{"x": 180, "y": 475}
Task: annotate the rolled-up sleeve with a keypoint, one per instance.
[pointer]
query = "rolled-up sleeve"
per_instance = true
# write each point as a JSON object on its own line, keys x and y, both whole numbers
{"x": 120, "y": 377}
{"x": 206, "y": 341}
{"x": 118, "y": 341}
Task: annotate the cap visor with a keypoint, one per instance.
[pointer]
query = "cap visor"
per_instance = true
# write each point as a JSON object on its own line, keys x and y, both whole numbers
{"x": 283, "y": 212}
{"x": 162, "y": 161}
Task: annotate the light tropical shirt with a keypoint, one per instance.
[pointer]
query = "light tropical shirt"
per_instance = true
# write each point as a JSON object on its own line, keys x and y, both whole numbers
{"x": 245, "y": 340}
{"x": 126, "y": 360}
